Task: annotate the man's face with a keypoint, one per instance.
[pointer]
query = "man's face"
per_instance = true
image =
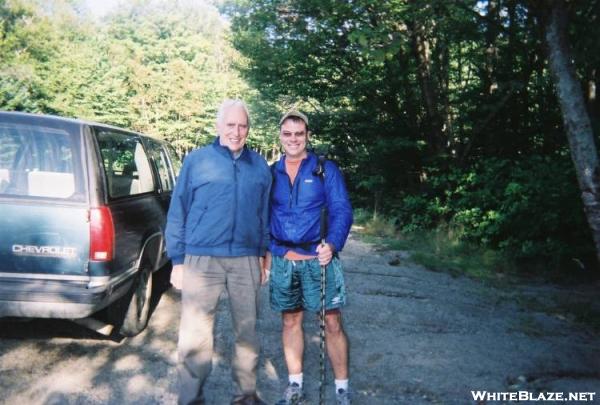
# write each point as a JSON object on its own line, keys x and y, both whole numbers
{"x": 233, "y": 129}
{"x": 293, "y": 137}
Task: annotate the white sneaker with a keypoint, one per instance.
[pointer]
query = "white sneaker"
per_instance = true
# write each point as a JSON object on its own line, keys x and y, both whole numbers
{"x": 342, "y": 397}
{"x": 293, "y": 395}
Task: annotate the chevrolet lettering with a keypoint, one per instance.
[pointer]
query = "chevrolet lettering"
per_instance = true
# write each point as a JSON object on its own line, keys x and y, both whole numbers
{"x": 48, "y": 251}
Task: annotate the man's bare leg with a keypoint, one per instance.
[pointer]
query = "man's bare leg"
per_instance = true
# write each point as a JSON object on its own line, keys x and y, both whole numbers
{"x": 292, "y": 336}
{"x": 337, "y": 344}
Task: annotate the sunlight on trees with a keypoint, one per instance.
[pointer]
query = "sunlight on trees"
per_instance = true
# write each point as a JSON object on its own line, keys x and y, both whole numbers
{"x": 157, "y": 67}
{"x": 440, "y": 113}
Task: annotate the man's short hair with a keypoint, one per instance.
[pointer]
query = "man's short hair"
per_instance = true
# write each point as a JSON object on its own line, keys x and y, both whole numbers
{"x": 228, "y": 104}
{"x": 295, "y": 116}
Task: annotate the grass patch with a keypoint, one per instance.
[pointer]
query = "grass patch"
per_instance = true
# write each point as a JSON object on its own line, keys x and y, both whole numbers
{"x": 534, "y": 304}
{"x": 387, "y": 243}
{"x": 530, "y": 327}
{"x": 440, "y": 250}
{"x": 580, "y": 311}
{"x": 437, "y": 250}
{"x": 584, "y": 313}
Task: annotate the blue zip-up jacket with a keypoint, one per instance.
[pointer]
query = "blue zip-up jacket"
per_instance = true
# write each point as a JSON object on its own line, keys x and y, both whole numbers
{"x": 296, "y": 208}
{"x": 220, "y": 205}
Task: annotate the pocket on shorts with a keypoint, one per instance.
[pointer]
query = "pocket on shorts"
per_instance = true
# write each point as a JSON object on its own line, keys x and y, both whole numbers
{"x": 340, "y": 284}
{"x": 314, "y": 269}
{"x": 281, "y": 274}
{"x": 336, "y": 266}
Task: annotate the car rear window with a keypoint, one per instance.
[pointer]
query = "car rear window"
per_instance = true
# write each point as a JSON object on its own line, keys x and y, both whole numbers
{"x": 39, "y": 162}
{"x": 125, "y": 163}
{"x": 163, "y": 167}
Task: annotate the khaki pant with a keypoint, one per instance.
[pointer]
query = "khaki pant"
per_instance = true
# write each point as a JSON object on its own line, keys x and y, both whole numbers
{"x": 204, "y": 279}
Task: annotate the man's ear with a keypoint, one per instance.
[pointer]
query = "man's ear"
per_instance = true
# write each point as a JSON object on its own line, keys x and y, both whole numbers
{"x": 308, "y": 135}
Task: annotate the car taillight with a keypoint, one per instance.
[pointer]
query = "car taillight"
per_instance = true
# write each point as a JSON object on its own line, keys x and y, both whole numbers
{"x": 102, "y": 234}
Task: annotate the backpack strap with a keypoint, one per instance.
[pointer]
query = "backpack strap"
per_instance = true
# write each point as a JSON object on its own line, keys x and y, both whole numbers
{"x": 320, "y": 169}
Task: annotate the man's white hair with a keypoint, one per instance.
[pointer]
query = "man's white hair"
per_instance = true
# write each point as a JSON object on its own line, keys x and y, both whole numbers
{"x": 228, "y": 104}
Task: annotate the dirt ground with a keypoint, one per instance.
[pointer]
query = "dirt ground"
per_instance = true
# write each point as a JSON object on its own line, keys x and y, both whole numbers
{"x": 416, "y": 336}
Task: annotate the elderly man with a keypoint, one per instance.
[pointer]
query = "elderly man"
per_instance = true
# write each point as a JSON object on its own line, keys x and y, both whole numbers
{"x": 217, "y": 232}
{"x": 297, "y": 254}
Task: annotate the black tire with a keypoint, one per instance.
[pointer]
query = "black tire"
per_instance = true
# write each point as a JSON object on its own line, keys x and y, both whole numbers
{"x": 136, "y": 316}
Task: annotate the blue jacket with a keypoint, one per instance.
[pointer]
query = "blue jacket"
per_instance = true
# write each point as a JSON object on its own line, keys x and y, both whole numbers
{"x": 296, "y": 208}
{"x": 220, "y": 205}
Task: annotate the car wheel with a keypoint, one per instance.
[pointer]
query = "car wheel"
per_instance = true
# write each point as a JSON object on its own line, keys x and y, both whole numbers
{"x": 136, "y": 316}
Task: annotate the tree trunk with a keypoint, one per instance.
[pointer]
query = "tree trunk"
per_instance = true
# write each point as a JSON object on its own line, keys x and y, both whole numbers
{"x": 433, "y": 122}
{"x": 490, "y": 82}
{"x": 575, "y": 117}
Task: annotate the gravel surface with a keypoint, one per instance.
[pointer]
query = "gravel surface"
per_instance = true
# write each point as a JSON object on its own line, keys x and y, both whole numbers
{"x": 416, "y": 336}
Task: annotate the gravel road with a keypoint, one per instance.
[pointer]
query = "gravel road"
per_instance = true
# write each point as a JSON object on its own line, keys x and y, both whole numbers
{"x": 417, "y": 337}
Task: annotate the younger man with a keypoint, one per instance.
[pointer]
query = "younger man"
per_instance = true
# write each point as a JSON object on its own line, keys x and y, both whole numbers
{"x": 297, "y": 254}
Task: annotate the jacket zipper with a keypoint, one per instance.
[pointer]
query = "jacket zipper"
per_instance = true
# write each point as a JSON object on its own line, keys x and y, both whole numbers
{"x": 296, "y": 182}
{"x": 235, "y": 197}
{"x": 291, "y": 187}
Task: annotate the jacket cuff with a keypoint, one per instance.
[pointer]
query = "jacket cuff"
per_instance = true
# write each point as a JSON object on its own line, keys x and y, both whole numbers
{"x": 336, "y": 246}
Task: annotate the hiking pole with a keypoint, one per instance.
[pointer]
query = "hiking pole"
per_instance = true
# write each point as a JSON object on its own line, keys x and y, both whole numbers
{"x": 322, "y": 313}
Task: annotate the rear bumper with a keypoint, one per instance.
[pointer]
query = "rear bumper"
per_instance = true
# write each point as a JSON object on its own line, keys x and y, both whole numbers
{"x": 31, "y": 309}
{"x": 69, "y": 297}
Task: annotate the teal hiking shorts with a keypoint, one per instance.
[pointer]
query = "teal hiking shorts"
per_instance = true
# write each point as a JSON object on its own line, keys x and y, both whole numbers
{"x": 296, "y": 284}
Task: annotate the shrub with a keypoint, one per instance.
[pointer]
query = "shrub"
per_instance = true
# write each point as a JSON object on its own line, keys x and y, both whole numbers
{"x": 375, "y": 225}
{"x": 530, "y": 209}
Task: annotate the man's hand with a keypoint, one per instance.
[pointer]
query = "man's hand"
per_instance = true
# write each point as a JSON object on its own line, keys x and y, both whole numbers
{"x": 325, "y": 253}
{"x": 265, "y": 268}
{"x": 177, "y": 276}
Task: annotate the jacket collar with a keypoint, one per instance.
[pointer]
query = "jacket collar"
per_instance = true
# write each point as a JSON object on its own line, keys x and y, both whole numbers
{"x": 223, "y": 150}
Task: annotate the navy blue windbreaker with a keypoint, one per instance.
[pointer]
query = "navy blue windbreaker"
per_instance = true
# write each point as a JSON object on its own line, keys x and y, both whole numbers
{"x": 296, "y": 208}
{"x": 220, "y": 205}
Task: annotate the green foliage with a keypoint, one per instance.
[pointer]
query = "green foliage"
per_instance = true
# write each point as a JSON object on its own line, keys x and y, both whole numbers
{"x": 530, "y": 209}
{"x": 440, "y": 249}
{"x": 443, "y": 250}
{"x": 439, "y": 113}
{"x": 375, "y": 225}
{"x": 361, "y": 216}
{"x": 27, "y": 42}
{"x": 154, "y": 66}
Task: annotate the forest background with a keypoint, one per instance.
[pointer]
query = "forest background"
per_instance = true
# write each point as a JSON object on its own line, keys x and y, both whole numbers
{"x": 447, "y": 117}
